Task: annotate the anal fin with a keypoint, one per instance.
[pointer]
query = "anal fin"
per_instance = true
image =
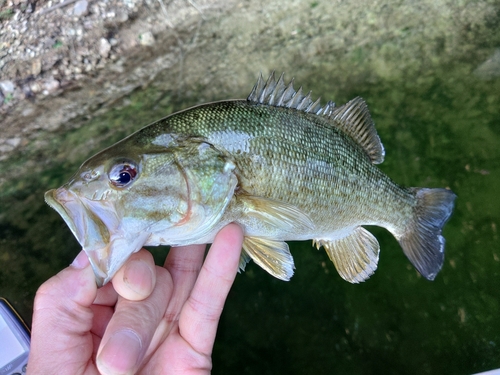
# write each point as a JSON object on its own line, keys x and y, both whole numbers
{"x": 355, "y": 256}
{"x": 272, "y": 256}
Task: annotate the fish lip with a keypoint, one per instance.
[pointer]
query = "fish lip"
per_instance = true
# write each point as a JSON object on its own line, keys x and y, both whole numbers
{"x": 56, "y": 198}
{"x": 101, "y": 277}
{"x": 106, "y": 261}
{"x": 73, "y": 210}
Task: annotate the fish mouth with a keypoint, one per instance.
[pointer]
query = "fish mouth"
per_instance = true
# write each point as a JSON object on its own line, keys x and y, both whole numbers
{"x": 89, "y": 229}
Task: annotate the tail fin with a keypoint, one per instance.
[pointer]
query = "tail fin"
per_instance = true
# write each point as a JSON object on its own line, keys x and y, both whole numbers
{"x": 422, "y": 241}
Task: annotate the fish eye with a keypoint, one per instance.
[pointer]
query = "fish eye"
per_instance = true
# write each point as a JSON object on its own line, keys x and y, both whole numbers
{"x": 122, "y": 174}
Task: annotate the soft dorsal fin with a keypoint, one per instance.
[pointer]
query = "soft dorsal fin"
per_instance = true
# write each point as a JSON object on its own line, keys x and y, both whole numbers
{"x": 353, "y": 118}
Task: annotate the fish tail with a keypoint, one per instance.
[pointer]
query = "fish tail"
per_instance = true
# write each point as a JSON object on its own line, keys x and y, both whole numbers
{"x": 422, "y": 241}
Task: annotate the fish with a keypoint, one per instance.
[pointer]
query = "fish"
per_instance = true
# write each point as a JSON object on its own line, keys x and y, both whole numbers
{"x": 282, "y": 166}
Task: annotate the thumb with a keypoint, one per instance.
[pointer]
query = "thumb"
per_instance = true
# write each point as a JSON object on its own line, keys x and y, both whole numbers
{"x": 62, "y": 319}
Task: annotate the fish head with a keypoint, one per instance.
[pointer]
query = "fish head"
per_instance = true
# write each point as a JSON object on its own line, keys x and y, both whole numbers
{"x": 119, "y": 201}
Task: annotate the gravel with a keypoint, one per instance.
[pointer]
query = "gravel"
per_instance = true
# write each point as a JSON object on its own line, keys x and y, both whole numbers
{"x": 86, "y": 49}
{"x": 46, "y": 45}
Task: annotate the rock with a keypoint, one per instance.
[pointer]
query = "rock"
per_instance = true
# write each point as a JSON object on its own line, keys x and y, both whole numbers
{"x": 104, "y": 47}
{"x": 6, "y": 148}
{"x": 7, "y": 87}
{"x": 121, "y": 17}
{"x": 50, "y": 86}
{"x": 14, "y": 142}
{"x": 35, "y": 87}
{"x": 36, "y": 67}
{"x": 147, "y": 39}
{"x": 81, "y": 8}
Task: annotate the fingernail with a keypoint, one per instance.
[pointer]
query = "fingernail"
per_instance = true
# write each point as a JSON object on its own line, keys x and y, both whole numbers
{"x": 121, "y": 353}
{"x": 81, "y": 261}
{"x": 139, "y": 277}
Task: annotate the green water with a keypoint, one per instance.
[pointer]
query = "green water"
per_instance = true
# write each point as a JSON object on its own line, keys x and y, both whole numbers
{"x": 440, "y": 128}
{"x": 442, "y": 132}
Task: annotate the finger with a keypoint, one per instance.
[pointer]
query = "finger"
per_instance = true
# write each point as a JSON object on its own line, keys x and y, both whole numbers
{"x": 132, "y": 327}
{"x": 106, "y": 295}
{"x": 103, "y": 309}
{"x": 62, "y": 317}
{"x": 201, "y": 313}
{"x": 136, "y": 279}
{"x": 102, "y": 316}
{"x": 184, "y": 264}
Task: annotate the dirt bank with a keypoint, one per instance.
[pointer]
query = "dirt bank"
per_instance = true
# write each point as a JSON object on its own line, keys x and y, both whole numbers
{"x": 92, "y": 51}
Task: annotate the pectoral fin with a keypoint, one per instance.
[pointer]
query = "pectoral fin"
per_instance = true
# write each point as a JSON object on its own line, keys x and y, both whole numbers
{"x": 355, "y": 256}
{"x": 244, "y": 259}
{"x": 272, "y": 256}
{"x": 275, "y": 214}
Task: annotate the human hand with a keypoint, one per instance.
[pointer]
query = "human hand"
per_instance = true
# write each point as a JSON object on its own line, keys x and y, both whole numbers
{"x": 150, "y": 320}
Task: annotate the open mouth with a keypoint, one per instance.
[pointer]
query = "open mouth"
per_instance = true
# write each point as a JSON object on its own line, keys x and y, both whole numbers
{"x": 67, "y": 205}
{"x": 89, "y": 229}
{"x": 96, "y": 226}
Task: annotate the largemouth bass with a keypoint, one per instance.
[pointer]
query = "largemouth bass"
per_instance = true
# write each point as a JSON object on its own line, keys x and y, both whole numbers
{"x": 280, "y": 165}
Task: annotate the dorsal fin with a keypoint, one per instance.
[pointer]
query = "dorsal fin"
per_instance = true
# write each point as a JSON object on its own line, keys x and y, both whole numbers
{"x": 353, "y": 118}
{"x": 278, "y": 94}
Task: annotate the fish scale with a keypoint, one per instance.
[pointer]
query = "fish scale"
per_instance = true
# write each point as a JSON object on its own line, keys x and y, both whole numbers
{"x": 280, "y": 165}
{"x": 336, "y": 174}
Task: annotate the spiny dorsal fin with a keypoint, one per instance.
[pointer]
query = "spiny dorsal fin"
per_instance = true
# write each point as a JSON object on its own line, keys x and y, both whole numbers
{"x": 280, "y": 95}
{"x": 353, "y": 118}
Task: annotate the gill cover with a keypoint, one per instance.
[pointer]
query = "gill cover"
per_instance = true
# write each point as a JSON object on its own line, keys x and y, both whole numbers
{"x": 210, "y": 181}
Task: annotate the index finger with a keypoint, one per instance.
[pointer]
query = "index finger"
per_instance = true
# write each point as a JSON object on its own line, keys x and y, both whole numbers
{"x": 201, "y": 313}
